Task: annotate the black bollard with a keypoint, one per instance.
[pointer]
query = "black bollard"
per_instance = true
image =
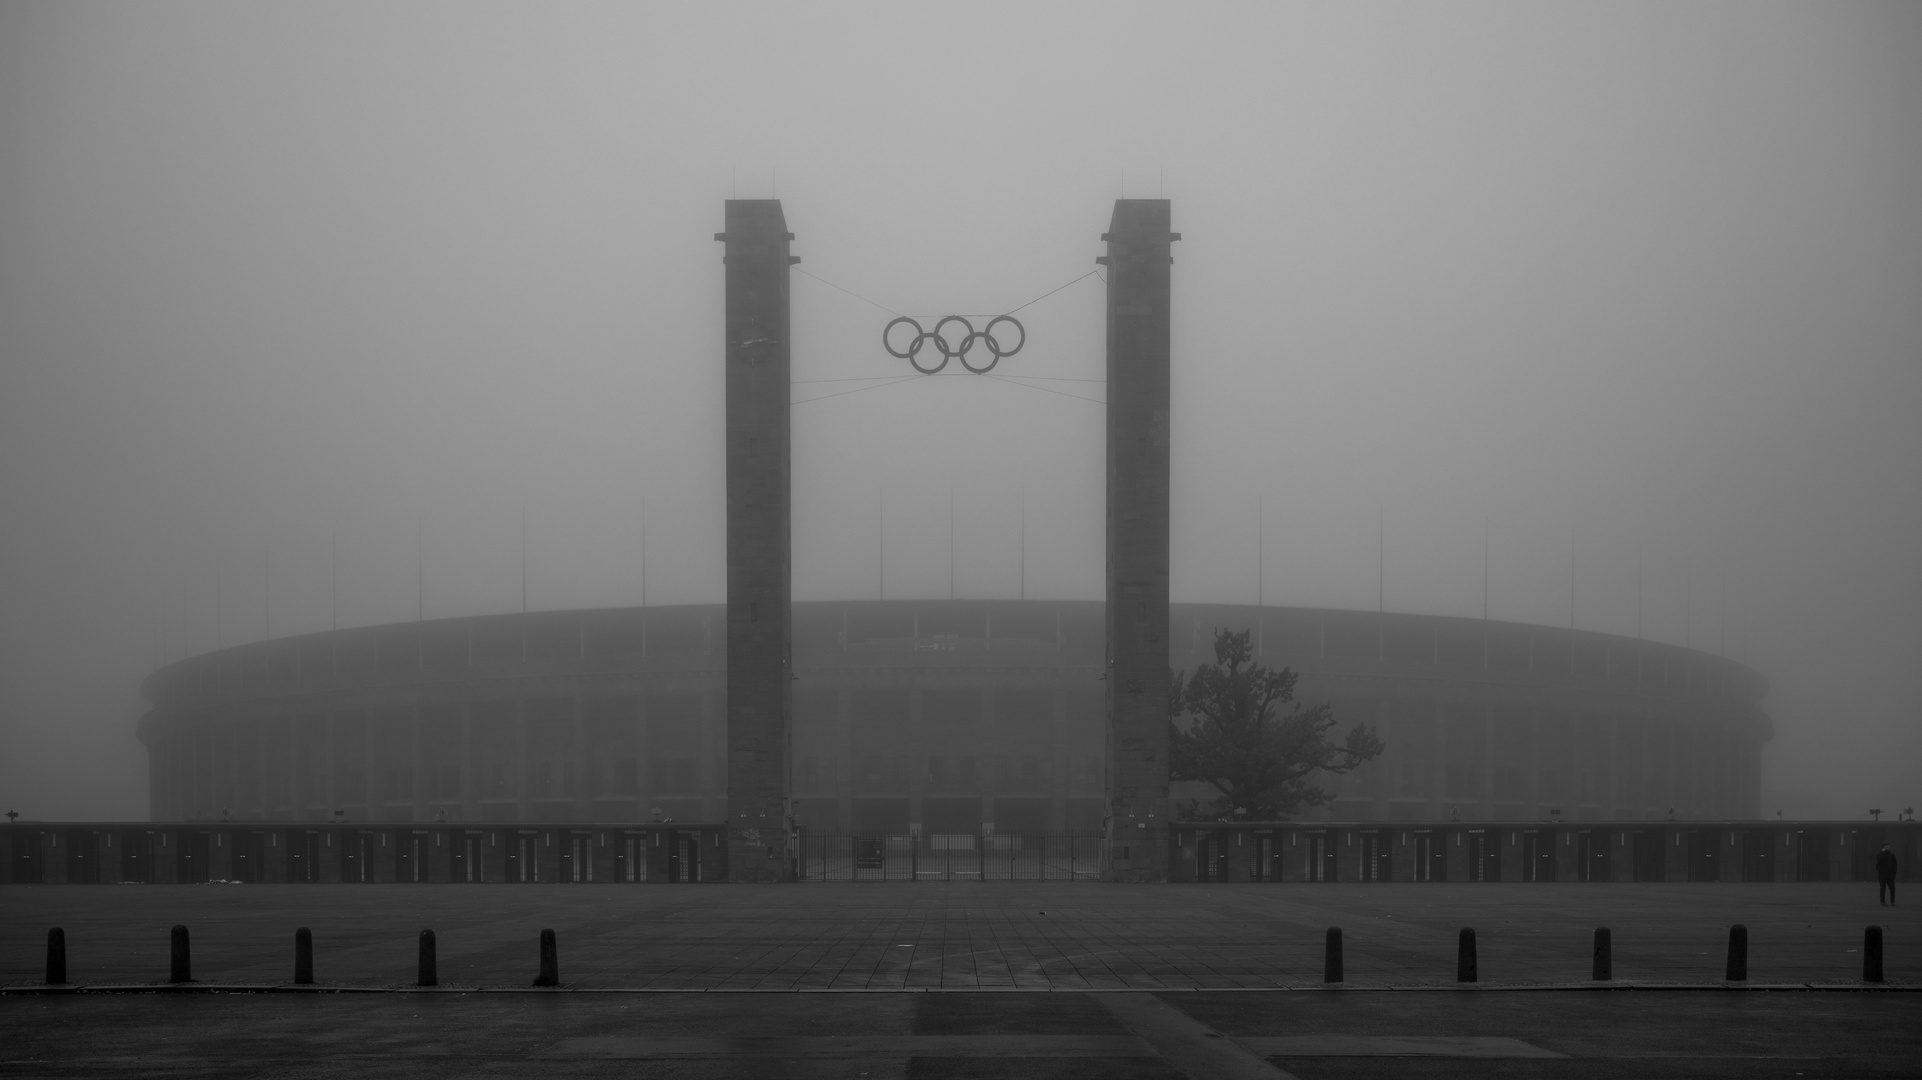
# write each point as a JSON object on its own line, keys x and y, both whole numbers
{"x": 1737, "y": 953}
{"x": 1331, "y": 957}
{"x": 1465, "y": 956}
{"x": 303, "y": 956}
{"x": 550, "y": 961}
{"x": 1604, "y": 969}
{"x": 182, "y": 960}
{"x": 1871, "y": 955}
{"x": 57, "y": 956}
{"x": 429, "y": 974}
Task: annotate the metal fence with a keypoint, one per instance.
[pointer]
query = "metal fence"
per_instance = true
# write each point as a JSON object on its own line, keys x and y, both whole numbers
{"x": 951, "y": 857}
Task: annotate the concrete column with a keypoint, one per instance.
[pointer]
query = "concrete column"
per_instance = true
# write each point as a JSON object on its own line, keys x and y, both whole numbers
{"x": 1139, "y": 275}
{"x": 759, "y": 632}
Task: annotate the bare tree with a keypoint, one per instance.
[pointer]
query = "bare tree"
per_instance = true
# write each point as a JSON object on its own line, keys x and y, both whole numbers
{"x": 1228, "y": 728}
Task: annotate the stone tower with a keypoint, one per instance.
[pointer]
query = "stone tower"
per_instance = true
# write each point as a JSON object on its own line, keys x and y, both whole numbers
{"x": 759, "y": 647}
{"x": 1138, "y": 262}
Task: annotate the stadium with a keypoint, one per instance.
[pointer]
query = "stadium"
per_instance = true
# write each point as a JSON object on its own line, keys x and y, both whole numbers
{"x": 944, "y": 717}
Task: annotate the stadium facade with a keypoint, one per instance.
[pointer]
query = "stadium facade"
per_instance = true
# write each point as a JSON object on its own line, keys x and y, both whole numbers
{"x": 936, "y": 717}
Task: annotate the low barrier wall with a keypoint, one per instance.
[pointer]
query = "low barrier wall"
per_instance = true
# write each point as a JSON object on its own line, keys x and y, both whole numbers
{"x": 258, "y": 852}
{"x": 33, "y": 852}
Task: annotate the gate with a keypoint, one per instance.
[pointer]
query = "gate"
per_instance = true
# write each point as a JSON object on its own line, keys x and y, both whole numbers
{"x": 1484, "y": 855}
{"x": 1758, "y": 855}
{"x": 303, "y": 856}
{"x": 1704, "y": 861}
{"x": 1651, "y": 861}
{"x": 356, "y": 856}
{"x": 1318, "y": 858}
{"x": 683, "y": 857}
{"x": 1811, "y": 855}
{"x": 26, "y": 858}
{"x": 522, "y": 857}
{"x": 1538, "y": 856}
{"x": 191, "y": 857}
{"x": 1592, "y": 855}
{"x": 410, "y": 856}
{"x": 83, "y": 857}
{"x": 136, "y": 856}
{"x": 1374, "y": 857}
{"x": 577, "y": 857}
{"x": 464, "y": 856}
{"x": 1211, "y": 858}
{"x": 250, "y": 856}
{"x": 1431, "y": 857}
{"x": 950, "y": 857}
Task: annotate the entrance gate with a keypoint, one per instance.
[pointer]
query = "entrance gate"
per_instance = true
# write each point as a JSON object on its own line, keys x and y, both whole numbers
{"x": 303, "y": 857}
{"x": 136, "y": 856}
{"x": 191, "y": 857}
{"x": 1318, "y": 858}
{"x": 1538, "y": 856}
{"x": 411, "y": 856}
{"x": 1375, "y": 864}
{"x": 250, "y": 857}
{"x": 1591, "y": 853}
{"x": 356, "y": 857}
{"x": 1431, "y": 857}
{"x": 759, "y": 494}
{"x": 957, "y": 857}
{"x": 83, "y": 856}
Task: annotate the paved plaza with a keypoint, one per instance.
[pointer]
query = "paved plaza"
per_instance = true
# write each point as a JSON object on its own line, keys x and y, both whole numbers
{"x": 965, "y": 980}
{"x": 1008, "y": 1036}
{"x": 972, "y": 936}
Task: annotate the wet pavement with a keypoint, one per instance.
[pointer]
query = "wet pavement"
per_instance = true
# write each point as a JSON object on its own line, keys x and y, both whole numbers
{"x": 1013, "y": 1035}
{"x": 960, "y": 936}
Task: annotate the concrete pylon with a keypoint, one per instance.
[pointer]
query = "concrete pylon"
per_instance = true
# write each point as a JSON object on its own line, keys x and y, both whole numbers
{"x": 1138, "y": 262}
{"x": 759, "y": 563}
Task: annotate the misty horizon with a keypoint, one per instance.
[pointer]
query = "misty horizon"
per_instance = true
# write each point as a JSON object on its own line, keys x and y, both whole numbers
{"x": 304, "y": 311}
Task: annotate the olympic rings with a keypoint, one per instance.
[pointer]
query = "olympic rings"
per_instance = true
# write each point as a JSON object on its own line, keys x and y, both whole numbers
{"x": 939, "y": 338}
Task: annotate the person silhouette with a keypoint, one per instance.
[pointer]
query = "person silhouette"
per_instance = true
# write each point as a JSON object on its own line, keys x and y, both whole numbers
{"x": 1885, "y": 875}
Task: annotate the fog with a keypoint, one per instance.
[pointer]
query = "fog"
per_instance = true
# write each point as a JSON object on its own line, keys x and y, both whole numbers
{"x": 306, "y": 308}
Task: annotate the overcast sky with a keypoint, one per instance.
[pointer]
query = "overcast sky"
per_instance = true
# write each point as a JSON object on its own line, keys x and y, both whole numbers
{"x": 1626, "y": 284}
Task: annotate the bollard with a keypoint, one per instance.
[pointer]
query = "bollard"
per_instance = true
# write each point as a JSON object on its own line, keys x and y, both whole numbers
{"x": 429, "y": 971}
{"x": 1871, "y": 955}
{"x": 182, "y": 960}
{"x": 1604, "y": 969}
{"x": 303, "y": 956}
{"x": 1331, "y": 957}
{"x": 550, "y": 961}
{"x": 1737, "y": 953}
{"x": 57, "y": 956}
{"x": 1465, "y": 956}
